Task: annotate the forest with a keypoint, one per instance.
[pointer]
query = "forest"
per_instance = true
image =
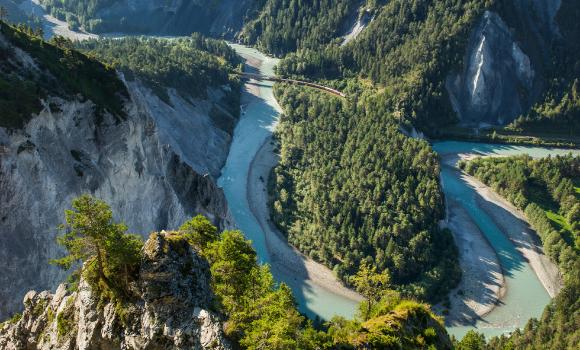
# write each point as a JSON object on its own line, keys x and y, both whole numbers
{"x": 63, "y": 72}
{"x": 190, "y": 65}
{"x": 548, "y": 191}
{"x": 406, "y": 52}
{"x": 411, "y": 46}
{"x": 284, "y": 26}
{"x": 350, "y": 189}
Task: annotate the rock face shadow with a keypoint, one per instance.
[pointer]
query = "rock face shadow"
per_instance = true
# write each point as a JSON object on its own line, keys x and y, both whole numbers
{"x": 482, "y": 279}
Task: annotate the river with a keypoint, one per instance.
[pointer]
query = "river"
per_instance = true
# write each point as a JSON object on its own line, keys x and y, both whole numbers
{"x": 525, "y": 297}
{"x": 258, "y": 120}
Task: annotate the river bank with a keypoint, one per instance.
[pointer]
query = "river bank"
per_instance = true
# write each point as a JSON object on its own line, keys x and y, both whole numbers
{"x": 284, "y": 258}
{"x": 513, "y": 223}
{"x": 482, "y": 284}
{"x": 530, "y": 280}
{"x": 318, "y": 293}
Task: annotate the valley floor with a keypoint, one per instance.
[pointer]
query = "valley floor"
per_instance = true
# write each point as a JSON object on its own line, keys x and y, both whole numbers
{"x": 483, "y": 283}
{"x": 513, "y": 223}
{"x": 285, "y": 259}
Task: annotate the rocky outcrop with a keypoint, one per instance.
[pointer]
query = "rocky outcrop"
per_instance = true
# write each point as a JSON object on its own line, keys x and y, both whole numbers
{"x": 199, "y": 131}
{"x": 502, "y": 73}
{"x": 151, "y": 166}
{"x": 171, "y": 309}
{"x": 498, "y": 78}
{"x": 408, "y": 326}
{"x": 364, "y": 17}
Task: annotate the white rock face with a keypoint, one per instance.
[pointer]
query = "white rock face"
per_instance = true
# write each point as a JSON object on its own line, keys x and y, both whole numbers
{"x": 170, "y": 309}
{"x": 364, "y": 18}
{"x": 151, "y": 167}
{"x": 500, "y": 80}
{"x": 478, "y": 91}
{"x": 179, "y": 125}
{"x": 496, "y": 70}
{"x": 523, "y": 66}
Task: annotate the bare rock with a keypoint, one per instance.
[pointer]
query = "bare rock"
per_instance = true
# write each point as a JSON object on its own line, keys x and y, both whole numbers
{"x": 172, "y": 311}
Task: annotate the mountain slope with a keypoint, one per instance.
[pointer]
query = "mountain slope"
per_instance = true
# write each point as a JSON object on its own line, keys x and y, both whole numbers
{"x": 180, "y": 17}
{"x": 283, "y": 26}
{"x": 121, "y": 144}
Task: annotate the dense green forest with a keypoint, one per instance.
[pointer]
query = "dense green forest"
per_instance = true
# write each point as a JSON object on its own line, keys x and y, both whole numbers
{"x": 548, "y": 190}
{"x": 259, "y": 313}
{"x": 189, "y": 65}
{"x": 407, "y": 51}
{"x": 62, "y": 71}
{"x": 284, "y": 26}
{"x": 411, "y": 46}
{"x": 351, "y": 189}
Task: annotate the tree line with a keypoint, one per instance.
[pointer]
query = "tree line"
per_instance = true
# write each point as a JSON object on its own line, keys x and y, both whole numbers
{"x": 190, "y": 65}
{"x": 351, "y": 189}
{"x": 284, "y": 26}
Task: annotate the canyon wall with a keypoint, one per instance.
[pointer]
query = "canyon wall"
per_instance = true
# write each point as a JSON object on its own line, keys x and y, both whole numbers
{"x": 502, "y": 75}
{"x": 156, "y": 167}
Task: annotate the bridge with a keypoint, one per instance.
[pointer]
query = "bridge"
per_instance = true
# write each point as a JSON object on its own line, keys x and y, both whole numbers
{"x": 292, "y": 81}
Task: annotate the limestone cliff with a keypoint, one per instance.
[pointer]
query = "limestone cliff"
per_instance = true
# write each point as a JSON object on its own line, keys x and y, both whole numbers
{"x": 171, "y": 310}
{"x": 502, "y": 73}
{"x": 151, "y": 165}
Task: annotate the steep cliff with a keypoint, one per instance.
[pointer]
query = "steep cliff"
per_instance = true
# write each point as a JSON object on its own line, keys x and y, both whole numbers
{"x": 135, "y": 159}
{"x": 172, "y": 309}
{"x": 503, "y": 70}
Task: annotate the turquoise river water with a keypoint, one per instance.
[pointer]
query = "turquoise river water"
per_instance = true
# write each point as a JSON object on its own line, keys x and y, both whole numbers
{"x": 257, "y": 121}
{"x": 525, "y": 297}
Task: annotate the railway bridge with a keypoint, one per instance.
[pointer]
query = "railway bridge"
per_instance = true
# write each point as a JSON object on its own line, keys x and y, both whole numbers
{"x": 292, "y": 81}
